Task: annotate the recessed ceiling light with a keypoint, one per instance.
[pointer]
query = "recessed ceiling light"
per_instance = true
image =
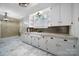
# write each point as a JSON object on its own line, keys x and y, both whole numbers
{"x": 24, "y": 4}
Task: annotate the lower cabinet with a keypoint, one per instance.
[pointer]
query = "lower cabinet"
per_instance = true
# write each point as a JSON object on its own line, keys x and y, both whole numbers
{"x": 43, "y": 43}
{"x": 35, "y": 41}
{"x": 23, "y": 38}
{"x": 54, "y": 45}
{"x": 68, "y": 47}
{"x": 61, "y": 46}
{"x": 29, "y": 39}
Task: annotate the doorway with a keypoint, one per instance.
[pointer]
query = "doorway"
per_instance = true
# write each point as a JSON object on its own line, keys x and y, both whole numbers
{"x": 9, "y": 28}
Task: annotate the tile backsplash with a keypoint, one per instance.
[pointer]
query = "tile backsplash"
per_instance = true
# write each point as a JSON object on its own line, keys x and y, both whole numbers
{"x": 57, "y": 29}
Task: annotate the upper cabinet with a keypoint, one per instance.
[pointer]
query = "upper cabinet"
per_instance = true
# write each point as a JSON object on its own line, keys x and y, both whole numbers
{"x": 65, "y": 14}
{"x": 31, "y": 21}
{"x": 61, "y": 14}
{"x": 40, "y": 19}
{"x": 56, "y": 15}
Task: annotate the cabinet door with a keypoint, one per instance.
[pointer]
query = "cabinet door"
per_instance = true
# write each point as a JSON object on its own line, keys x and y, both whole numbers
{"x": 41, "y": 21}
{"x": 28, "y": 39}
{"x": 42, "y": 43}
{"x": 47, "y": 15}
{"x": 66, "y": 14}
{"x": 52, "y": 45}
{"x": 69, "y": 46}
{"x": 23, "y": 37}
{"x": 35, "y": 41}
{"x": 60, "y": 46}
{"x": 65, "y": 47}
{"x": 55, "y": 15}
{"x": 69, "y": 43}
{"x": 31, "y": 21}
{"x": 75, "y": 27}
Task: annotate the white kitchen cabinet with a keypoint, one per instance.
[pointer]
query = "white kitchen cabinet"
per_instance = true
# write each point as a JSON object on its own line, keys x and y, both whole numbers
{"x": 28, "y": 39}
{"x": 23, "y": 38}
{"x": 43, "y": 43}
{"x": 65, "y": 14}
{"x": 52, "y": 44}
{"x": 35, "y": 41}
{"x": 41, "y": 18}
{"x": 55, "y": 15}
{"x": 70, "y": 43}
{"x": 47, "y": 14}
{"x": 67, "y": 47}
{"x": 31, "y": 20}
{"x": 75, "y": 26}
{"x": 61, "y": 15}
{"x": 61, "y": 46}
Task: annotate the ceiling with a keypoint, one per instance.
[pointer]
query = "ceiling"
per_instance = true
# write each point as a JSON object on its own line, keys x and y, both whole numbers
{"x": 14, "y": 10}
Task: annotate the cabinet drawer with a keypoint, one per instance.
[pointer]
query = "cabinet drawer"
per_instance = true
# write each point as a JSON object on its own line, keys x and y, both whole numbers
{"x": 65, "y": 43}
{"x": 35, "y": 41}
{"x": 52, "y": 44}
{"x": 60, "y": 46}
{"x": 69, "y": 43}
{"x": 66, "y": 47}
{"x": 42, "y": 43}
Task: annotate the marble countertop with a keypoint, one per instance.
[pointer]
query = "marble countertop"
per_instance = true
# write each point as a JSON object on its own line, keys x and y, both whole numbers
{"x": 65, "y": 36}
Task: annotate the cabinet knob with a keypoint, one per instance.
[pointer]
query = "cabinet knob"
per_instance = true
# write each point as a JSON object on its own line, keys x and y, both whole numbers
{"x": 51, "y": 37}
{"x": 71, "y": 22}
{"x": 65, "y": 40}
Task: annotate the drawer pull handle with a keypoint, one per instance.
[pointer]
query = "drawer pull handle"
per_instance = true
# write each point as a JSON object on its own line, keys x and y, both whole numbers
{"x": 65, "y": 40}
{"x": 51, "y": 37}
